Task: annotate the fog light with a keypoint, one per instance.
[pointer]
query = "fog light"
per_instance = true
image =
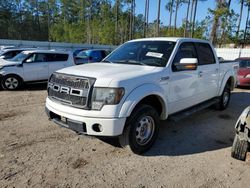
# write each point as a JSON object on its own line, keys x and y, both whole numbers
{"x": 97, "y": 127}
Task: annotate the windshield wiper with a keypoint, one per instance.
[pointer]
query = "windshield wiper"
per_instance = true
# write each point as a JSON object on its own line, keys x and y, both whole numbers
{"x": 131, "y": 62}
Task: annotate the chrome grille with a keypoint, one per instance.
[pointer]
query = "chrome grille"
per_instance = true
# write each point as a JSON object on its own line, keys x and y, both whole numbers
{"x": 70, "y": 90}
{"x": 70, "y": 81}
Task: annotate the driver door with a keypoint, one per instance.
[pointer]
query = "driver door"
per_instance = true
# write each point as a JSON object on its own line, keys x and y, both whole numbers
{"x": 35, "y": 67}
{"x": 184, "y": 86}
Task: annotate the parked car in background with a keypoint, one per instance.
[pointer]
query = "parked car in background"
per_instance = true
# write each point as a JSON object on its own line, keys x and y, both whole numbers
{"x": 32, "y": 66}
{"x": 6, "y": 47}
{"x": 242, "y": 137}
{"x": 244, "y": 71}
{"x": 10, "y": 53}
{"x": 90, "y": 56}
{"x": 77, "y": 51}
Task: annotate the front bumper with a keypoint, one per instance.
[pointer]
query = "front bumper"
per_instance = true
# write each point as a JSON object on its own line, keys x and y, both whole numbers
{"x": 86, "y": 125}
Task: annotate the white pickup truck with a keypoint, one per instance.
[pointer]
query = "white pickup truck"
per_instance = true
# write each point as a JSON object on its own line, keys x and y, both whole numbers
{"x": 140, "y": 83}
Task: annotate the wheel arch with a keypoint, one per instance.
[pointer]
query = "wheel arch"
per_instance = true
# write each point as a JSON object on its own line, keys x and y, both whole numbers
{"x": 228, "y": 79}
{"x": 152, "y": 95}
{"x": 13, "y": 74}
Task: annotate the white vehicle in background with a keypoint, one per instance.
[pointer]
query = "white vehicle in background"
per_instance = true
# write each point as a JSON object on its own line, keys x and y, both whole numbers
{"x": 6, "y": 47}
{"x": 32, "y": 66}
{"x": 137, "y": 85}
{"x": 10, "y": 53}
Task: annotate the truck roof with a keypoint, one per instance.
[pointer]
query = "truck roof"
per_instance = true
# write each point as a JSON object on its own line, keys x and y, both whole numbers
{"x": 173, "y": 39}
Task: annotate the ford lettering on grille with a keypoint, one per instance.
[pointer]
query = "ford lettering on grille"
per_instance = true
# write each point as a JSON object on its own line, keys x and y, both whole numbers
{"x": 70, "y": 90}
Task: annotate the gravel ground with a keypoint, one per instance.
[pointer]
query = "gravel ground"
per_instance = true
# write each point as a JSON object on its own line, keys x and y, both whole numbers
{"x": 194, "y": 152}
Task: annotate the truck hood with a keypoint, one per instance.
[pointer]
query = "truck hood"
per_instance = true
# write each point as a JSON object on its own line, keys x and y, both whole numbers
{"x": 8, "y": 63}
{"x": 106, "y": 72}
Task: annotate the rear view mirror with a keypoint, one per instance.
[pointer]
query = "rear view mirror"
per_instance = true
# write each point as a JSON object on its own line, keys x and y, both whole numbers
{"x": 187, "y": 64}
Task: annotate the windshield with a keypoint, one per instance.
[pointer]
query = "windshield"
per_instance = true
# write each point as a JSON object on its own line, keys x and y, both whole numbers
{"x": 245, "y": 64}
{"x": 151, "y": 53}
{"x": 20, "y": 57}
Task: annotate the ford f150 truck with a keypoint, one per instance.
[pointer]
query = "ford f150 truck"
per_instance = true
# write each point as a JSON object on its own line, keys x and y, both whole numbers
{"x": 140, "y": 83}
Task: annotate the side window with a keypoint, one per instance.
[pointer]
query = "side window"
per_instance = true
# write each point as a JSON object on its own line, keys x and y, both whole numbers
{"x": 61, "y": 57}
{"x": 96, "y": 56}
{"x": 186, "y": 50}
{"x": 104, "y": 54}
{"x": 8, "y": 55}
{"x": 40, "y": 58}
{"x": 57, "y": 57}
{"x": 36, "y": 57}
{"x": 15, "y": 53}
{"x": 205, "y": 54}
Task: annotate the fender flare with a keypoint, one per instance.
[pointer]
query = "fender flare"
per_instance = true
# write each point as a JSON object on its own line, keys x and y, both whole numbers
{"x": 139, "y": 93}
{"x": 226, "y": 77}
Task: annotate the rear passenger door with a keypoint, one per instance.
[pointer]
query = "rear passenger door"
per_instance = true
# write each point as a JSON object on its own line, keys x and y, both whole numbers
{"x": 57, "y": 61}
{"x": 35, "y": 67}
{"x": 208, "y": 71}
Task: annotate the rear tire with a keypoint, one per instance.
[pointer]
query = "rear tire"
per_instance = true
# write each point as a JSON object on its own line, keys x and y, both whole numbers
{"x": 224, "y": 99}
{"x": 141, "y": 130}
{"x": 239, "y": 148}
{"x": 11, "y": 82}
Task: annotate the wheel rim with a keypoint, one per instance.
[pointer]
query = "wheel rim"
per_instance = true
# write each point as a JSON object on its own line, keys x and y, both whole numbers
{"x": 11, "y": 83}
{"x": 144, "y": 130}
{"x": 225, "y": 98}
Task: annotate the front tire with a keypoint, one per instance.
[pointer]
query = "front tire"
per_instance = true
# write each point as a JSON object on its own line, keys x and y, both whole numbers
{"x": 11, "y": 82}
{"x": 141, "y": 130}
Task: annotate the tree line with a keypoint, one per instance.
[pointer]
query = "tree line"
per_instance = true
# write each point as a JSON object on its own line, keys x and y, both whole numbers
{"x": 115, "y": 21}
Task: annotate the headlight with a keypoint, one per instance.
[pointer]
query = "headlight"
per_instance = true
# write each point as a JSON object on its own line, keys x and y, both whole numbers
{"x": 106, "y": 96}
{"x": 248, "y": 76}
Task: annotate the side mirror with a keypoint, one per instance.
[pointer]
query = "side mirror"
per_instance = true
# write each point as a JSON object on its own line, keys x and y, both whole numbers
{"x": 27, "y": 61}
{"x": 187, "y": 64}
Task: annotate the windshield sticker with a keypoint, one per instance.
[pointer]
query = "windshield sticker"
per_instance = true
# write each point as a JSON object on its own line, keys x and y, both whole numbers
{"x": 154, "y": 54}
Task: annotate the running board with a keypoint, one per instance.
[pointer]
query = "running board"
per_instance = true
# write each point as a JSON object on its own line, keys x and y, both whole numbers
{"x": 185, "y": 113}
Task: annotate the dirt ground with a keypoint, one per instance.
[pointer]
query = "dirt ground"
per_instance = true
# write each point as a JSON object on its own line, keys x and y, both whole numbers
{"x": 194, "y": 152}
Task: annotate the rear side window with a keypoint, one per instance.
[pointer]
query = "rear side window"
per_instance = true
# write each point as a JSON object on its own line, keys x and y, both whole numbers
{"x": 57, "y": 57}
{"x": 205, "y": 54}
{"x": 186, "y": 50}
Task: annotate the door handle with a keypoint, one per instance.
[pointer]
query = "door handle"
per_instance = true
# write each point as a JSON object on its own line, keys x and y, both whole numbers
{"x": 217, "y": 70}
{"x": 164, "y": 78}
{"x": 200, "y": 73}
